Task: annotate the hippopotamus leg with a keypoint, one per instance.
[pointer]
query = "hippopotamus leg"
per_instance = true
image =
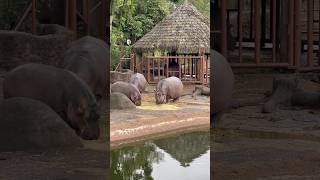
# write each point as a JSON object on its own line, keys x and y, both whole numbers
{"x": 176, "y": 99}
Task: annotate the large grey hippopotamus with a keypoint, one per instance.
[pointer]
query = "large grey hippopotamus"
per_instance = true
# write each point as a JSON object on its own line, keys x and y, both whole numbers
{"x": 130, "y": 90}
{"x": 139, "y": 81}
{"x": 62, "y": 90}
{"x": 223, "y": 80}
{"x": 88, "y": 58}
{"x": 169, "y": 88}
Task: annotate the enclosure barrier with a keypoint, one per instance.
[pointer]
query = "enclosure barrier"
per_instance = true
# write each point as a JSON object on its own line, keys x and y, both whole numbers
{"x": 71, "y": 15}
{"x": 190, "y": 69}
{"x": 270, "y": 33}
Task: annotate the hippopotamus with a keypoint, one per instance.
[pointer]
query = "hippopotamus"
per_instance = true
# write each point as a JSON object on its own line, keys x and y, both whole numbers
{"x": 88, "y": 58}
{"x": 130, "y": 90}
{"x": 139, "y": 81}
{"x": 169, "y": 88}
{"x": 223, "y": 80}
{"x": 60, "y": 89}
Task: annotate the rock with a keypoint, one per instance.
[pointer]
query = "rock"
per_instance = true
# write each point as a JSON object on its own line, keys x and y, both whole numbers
{"x": 27, "y": 124}
{"x": 283, "y": 88}
{"x": 124, "y": 76}
{"x": 120, "y": 101}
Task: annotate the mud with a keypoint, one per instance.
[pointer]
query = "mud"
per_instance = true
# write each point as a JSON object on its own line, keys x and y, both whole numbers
{"x": 151, "y": 119}
{"x": 253, "y": 145}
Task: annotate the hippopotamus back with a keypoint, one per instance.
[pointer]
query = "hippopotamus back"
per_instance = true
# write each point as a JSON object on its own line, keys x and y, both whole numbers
{"x": 139, "y": 81}
{"x": 88, "y": 58}
{"x": 223, "y": 80}
{"x": 130, "y": 90}
{"x": 62, "y": 90}
{"x": 169, "y": 88}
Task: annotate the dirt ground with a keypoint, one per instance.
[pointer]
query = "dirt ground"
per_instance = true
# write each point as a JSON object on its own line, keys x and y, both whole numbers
{"x": 252, "y": 145}
{"x": 151, "y": 119}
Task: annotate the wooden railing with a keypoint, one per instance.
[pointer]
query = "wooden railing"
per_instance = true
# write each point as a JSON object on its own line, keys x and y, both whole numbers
{"x": 266, "y": 39}
{"x": 190, "y": 69}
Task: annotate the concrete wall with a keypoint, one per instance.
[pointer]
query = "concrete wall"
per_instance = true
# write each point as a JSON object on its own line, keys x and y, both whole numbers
{"x": 18, "y": 48}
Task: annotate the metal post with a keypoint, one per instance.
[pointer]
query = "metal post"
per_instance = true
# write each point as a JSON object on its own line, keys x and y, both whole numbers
{"x": 274, "y": 21}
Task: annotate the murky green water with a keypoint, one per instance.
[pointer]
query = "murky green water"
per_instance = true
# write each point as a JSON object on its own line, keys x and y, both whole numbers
{"x": 179, "y": 157}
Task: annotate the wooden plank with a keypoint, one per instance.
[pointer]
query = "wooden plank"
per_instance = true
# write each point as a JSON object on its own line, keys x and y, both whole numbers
{"x": 257, "y": 36}
{"x": 241, "y": 4}
{"x": 310, "y": 32}
{"x": 190, "y": 66}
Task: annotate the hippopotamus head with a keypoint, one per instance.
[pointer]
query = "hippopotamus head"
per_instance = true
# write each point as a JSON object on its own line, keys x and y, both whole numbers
{"x": 136, "y": 98}
{"x": 83, "y": 118}
{"x": 160, "y": 96}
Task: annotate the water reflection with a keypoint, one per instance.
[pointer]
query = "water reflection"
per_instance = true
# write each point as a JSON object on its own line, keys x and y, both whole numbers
{"x": 178, "y": 157}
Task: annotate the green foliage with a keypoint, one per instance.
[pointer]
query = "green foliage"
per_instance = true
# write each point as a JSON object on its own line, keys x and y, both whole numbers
{"x": 131, "y": 19}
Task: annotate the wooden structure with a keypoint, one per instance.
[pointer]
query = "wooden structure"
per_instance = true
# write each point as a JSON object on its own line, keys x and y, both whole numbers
{"x": 268, "y": 33}
{"x": 72, "y": 15}
{"x": 183, "y": 39}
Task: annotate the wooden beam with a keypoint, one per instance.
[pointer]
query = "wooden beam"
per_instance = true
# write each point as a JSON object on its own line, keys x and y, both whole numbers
{"x": 25, "y": 14}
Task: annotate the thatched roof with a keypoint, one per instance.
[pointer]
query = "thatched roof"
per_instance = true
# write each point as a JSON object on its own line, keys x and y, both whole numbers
{"x": 185, "y": 30}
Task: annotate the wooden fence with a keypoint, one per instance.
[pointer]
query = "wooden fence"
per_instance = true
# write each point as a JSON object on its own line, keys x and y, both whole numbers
{"x": 270, "y": 33}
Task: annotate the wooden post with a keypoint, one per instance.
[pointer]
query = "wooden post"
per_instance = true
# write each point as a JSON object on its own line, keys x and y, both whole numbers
{"x": 73, "y": 15}
{"x": 310, "y": 32}
{"x": 274, "y": 22}
{"x": 167, "y": 66}
{"x": 103, "y": 19}
{"x": 148, "y": 69}
{"x": 223, "y": 28}
{"x": 290, "y": 32}
{"x": 158, "y": 68}
{"x": 179, "y": 66}
{"x": 297, "y": 34}
{"x": 34, "y": 20}
{"x": 67, "y": 14}
{"x": 257, "y": 37}
{"x": 240, "y": 28}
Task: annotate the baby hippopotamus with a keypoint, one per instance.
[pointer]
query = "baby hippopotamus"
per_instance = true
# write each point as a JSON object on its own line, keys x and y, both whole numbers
{"x": 169, "y": 88}
{"x": 131, "y": 91}
{"x": 139, "y": 81}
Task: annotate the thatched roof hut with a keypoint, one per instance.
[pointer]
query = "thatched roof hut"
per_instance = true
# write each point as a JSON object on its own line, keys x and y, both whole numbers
{"x": 185, "y": 30}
